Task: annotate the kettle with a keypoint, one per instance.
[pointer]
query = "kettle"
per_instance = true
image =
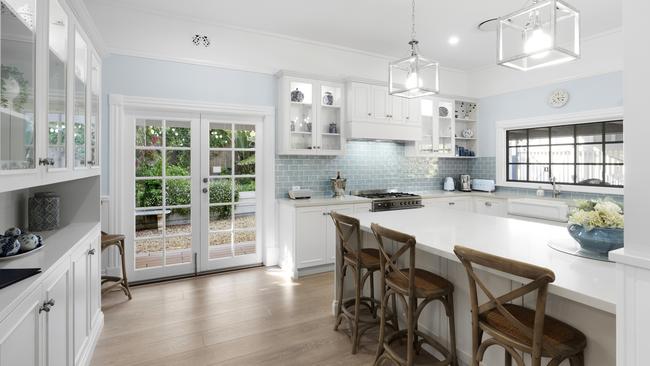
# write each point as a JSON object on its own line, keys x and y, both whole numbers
{"x": 449, "y": 184}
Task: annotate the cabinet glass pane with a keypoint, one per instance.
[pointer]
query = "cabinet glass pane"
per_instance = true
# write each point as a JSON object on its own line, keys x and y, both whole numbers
{"x": 80, "y": 74}
{"x": 17, "y": 139}
{"x": 58, "y": 61}
{"x": 301, "y": 117}
{"x": 93, "y": 128}
{"x": 330, "y": 117}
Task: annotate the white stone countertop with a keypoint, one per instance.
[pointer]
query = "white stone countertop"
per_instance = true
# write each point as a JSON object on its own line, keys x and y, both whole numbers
{"x": 437, "y": 230}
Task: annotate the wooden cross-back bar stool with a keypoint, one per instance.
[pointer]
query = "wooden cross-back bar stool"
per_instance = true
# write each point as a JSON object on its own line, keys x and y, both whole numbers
{"x": 117, "y": 240}
{"x": 411, "y": 285}
{"x": 363, "y": 262}
{"x": 517, "y": 328}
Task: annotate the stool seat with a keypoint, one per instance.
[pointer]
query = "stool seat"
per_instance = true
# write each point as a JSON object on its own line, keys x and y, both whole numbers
{"x": 368, "y": 257}
{"x": 557, "y": 334}
{"x": 110, "y": 239}
{"x": 427, "y": 284}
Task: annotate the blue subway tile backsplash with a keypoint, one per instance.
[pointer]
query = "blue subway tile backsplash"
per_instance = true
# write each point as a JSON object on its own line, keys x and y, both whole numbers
{"x": 377, "y": 165}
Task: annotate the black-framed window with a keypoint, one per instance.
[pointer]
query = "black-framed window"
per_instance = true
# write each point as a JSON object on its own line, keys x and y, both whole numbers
{"x": 586, "y": 154}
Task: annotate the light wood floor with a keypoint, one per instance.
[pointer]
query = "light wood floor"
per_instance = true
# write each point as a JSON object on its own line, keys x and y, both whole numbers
{"x": 250, "y": 317}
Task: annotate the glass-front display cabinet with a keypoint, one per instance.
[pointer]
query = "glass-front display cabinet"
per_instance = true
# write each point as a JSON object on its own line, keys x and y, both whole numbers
{"x": 310, "y": 117}
{"x": 79, "y": 111}
{"x": 93, "y": 126}
{"x": 57, "y": 86}
{"x": 17, "y": 107}
{"x": 437, "y": 129}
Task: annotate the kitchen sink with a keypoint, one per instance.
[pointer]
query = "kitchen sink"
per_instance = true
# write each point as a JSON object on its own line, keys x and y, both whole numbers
{"x": 538, "y": 209}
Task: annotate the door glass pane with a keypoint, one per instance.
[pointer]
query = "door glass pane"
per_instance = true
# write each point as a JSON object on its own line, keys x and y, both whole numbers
{"x": 221, "y": 217}
{"x": 589, "y": 174}
{"x": 17, "y": 140}
{"x": 58, "y": 60}
{"x": 221, "y": 190}
{"x": 245, "y": 215}
{"x": 148, "y": 133}
{"x": 178, "y": 192}
{"x": 592, "y": 132}
{"x": 178, "y": 250}
{"x": 178, "y": 134}
{"x": 94, "y": 111}
{"x": 220, "y": 135}
{"x": 220, "y": 245}
{"x": 148, "y": 223}
{"x": 148, "y": 253}
{"x": 80, "y": 75}
{"x": 148, "y": 163}
{"x": 220, "y": 163}
{"x": 244, "y": 162}
{"x": 244, "y": 242}
{"x": 539, "y": 173}
{"x": 590, "y": 154}
{"x": 244, "y": 136}
{"x": 178, "y": 163}
{"x": 148, "y": 193}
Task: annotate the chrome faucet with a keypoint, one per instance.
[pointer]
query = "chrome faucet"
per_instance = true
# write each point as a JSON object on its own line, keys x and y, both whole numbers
{"x": 556, "y": 188}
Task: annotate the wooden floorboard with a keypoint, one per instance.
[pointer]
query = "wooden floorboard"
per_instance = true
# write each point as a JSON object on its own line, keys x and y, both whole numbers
{"x": 249, "y": 317}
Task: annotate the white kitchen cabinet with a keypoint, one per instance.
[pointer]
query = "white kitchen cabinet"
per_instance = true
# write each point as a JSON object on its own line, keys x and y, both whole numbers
{"x": 490, "y": 206}
{"x": 307, "y": 236}
{"x": 456, "y": 203}
{"x": 372, "y": 113}
{"x": 21, "y": 332}
{"x": 39, "y": 143}
{"x": 49, "y": 324}
{"x": 310, "y": 116}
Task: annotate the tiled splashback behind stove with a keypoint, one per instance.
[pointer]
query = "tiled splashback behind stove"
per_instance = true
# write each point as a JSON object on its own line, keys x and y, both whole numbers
{"x": 366, "y": 165}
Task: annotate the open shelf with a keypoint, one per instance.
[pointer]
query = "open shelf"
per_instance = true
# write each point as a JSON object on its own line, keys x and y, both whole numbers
{"x": 331, "y": 106}
{"x": 466, "y": 138}
{"x": 465, "y": 120}
{"x": 300, "y": 133}
{"x": 330, "y": 134}
{"x": 301, "y": 103}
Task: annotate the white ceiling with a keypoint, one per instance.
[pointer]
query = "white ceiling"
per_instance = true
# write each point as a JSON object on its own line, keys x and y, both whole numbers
{"x": 377, "y": 26}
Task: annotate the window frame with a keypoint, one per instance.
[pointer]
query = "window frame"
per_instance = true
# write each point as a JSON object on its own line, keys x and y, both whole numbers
{"x": 594, "y": 116}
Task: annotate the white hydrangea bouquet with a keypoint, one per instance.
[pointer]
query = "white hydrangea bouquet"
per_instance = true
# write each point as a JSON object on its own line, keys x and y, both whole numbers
{"x": 598, "y": 214}
{"x": 597, "y": 225}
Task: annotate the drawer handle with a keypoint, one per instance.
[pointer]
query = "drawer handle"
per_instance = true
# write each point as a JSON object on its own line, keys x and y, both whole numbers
{"x": 452, "y": 203}
{"x": 369, "y": 114}
{"x": 488, "y": 204}
{"x": 326, "y": 213}
{"x": 47, "y": 306}
{"x": 91, "y": 251}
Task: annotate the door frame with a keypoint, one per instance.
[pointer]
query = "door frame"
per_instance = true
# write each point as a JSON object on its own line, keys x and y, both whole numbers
{"x": 122, "y": 107}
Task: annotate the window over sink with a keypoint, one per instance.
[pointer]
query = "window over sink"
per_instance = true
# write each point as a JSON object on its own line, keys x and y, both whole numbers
{"x": 584, "y": 154}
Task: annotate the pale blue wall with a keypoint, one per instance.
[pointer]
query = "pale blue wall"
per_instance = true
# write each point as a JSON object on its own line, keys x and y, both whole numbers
{"x": 143, "y": 77}
{"x": 597, "y": 92}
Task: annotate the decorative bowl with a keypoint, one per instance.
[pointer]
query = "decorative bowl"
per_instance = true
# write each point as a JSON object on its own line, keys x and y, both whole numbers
{"x": 601, "y": 240}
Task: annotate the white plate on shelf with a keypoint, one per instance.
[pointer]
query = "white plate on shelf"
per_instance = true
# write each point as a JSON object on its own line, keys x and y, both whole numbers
{"x": 19, "y": 255}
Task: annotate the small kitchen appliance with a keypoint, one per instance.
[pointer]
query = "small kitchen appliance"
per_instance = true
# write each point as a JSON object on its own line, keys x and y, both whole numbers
{"x": 484, "y": 185}
{"x": 465, "y": 183}
{"x": 449, "y": 184}
{"x": 338, "y": 185}
{"x": 297, "y": 193}
{"x": 388, "y": 200}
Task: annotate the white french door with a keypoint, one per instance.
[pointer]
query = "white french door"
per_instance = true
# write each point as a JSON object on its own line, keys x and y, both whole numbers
{"x": 195, "y": 202}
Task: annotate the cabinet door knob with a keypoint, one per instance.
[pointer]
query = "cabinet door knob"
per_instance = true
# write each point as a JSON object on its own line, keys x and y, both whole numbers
{"x": 488, "y": 204}
{"x": 452, "y": 203}
{"x": 49, "y": 302}
{"x": 91, "y": 251}
{"x": 326, "y": 213}
{"x": 369, "y": 114}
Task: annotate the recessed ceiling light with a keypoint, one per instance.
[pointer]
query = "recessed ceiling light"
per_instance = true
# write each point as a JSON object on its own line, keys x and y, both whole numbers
{"x": 453, "y": 40}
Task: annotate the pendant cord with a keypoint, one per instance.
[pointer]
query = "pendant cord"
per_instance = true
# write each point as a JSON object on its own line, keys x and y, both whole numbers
{"x": 413, "y": 20}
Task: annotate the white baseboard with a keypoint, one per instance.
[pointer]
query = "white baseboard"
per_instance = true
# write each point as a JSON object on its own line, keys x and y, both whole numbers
{"x": 271, "y": 257}
{"x": 91, "y": 343}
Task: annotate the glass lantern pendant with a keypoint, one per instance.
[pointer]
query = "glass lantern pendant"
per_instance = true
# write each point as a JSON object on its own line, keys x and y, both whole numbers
{"x": 413, "y": 76}
{"x": 543, "y": 34}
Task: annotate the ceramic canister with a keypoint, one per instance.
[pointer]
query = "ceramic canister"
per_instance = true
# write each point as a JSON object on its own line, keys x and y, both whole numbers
{"x": 44, "y": 210}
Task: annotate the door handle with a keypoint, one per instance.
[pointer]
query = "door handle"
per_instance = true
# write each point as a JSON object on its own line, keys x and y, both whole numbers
{"x": 452, "y": 203}
{"x": 205, "y": 180}
{"x": 204, "y": 190}
{"x": 488, "y": 204}
{"x": 47, "y": 306}
{"x": 91, "y": 251}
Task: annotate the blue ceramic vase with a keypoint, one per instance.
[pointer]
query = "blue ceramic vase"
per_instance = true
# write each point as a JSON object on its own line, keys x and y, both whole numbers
{"x": 600, "y": 240}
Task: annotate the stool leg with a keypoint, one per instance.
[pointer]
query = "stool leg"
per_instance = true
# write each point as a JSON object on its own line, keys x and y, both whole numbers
{"x": 125, "y": 282}
{"x": 449, "y": 305}
{"x": 373, "y": 308}
{"x": 410, "y": 334}
{"x": 339, "y": 298}
{"x": 508, "y": 358}
{"x": 382, "y": 322}
{"x": 577, "y": 360}
{"x": 357, "y": 310}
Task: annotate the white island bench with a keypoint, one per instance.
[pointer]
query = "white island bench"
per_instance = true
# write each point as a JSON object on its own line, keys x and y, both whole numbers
{"x": 582, "y": 295}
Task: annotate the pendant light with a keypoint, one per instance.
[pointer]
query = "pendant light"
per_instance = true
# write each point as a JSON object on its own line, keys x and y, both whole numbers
{"x": 543, "y": 34}
{"x": 413, "y": 76}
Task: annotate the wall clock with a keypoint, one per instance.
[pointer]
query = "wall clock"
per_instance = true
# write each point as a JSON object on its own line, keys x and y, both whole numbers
{"x": 558, "y": 98}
